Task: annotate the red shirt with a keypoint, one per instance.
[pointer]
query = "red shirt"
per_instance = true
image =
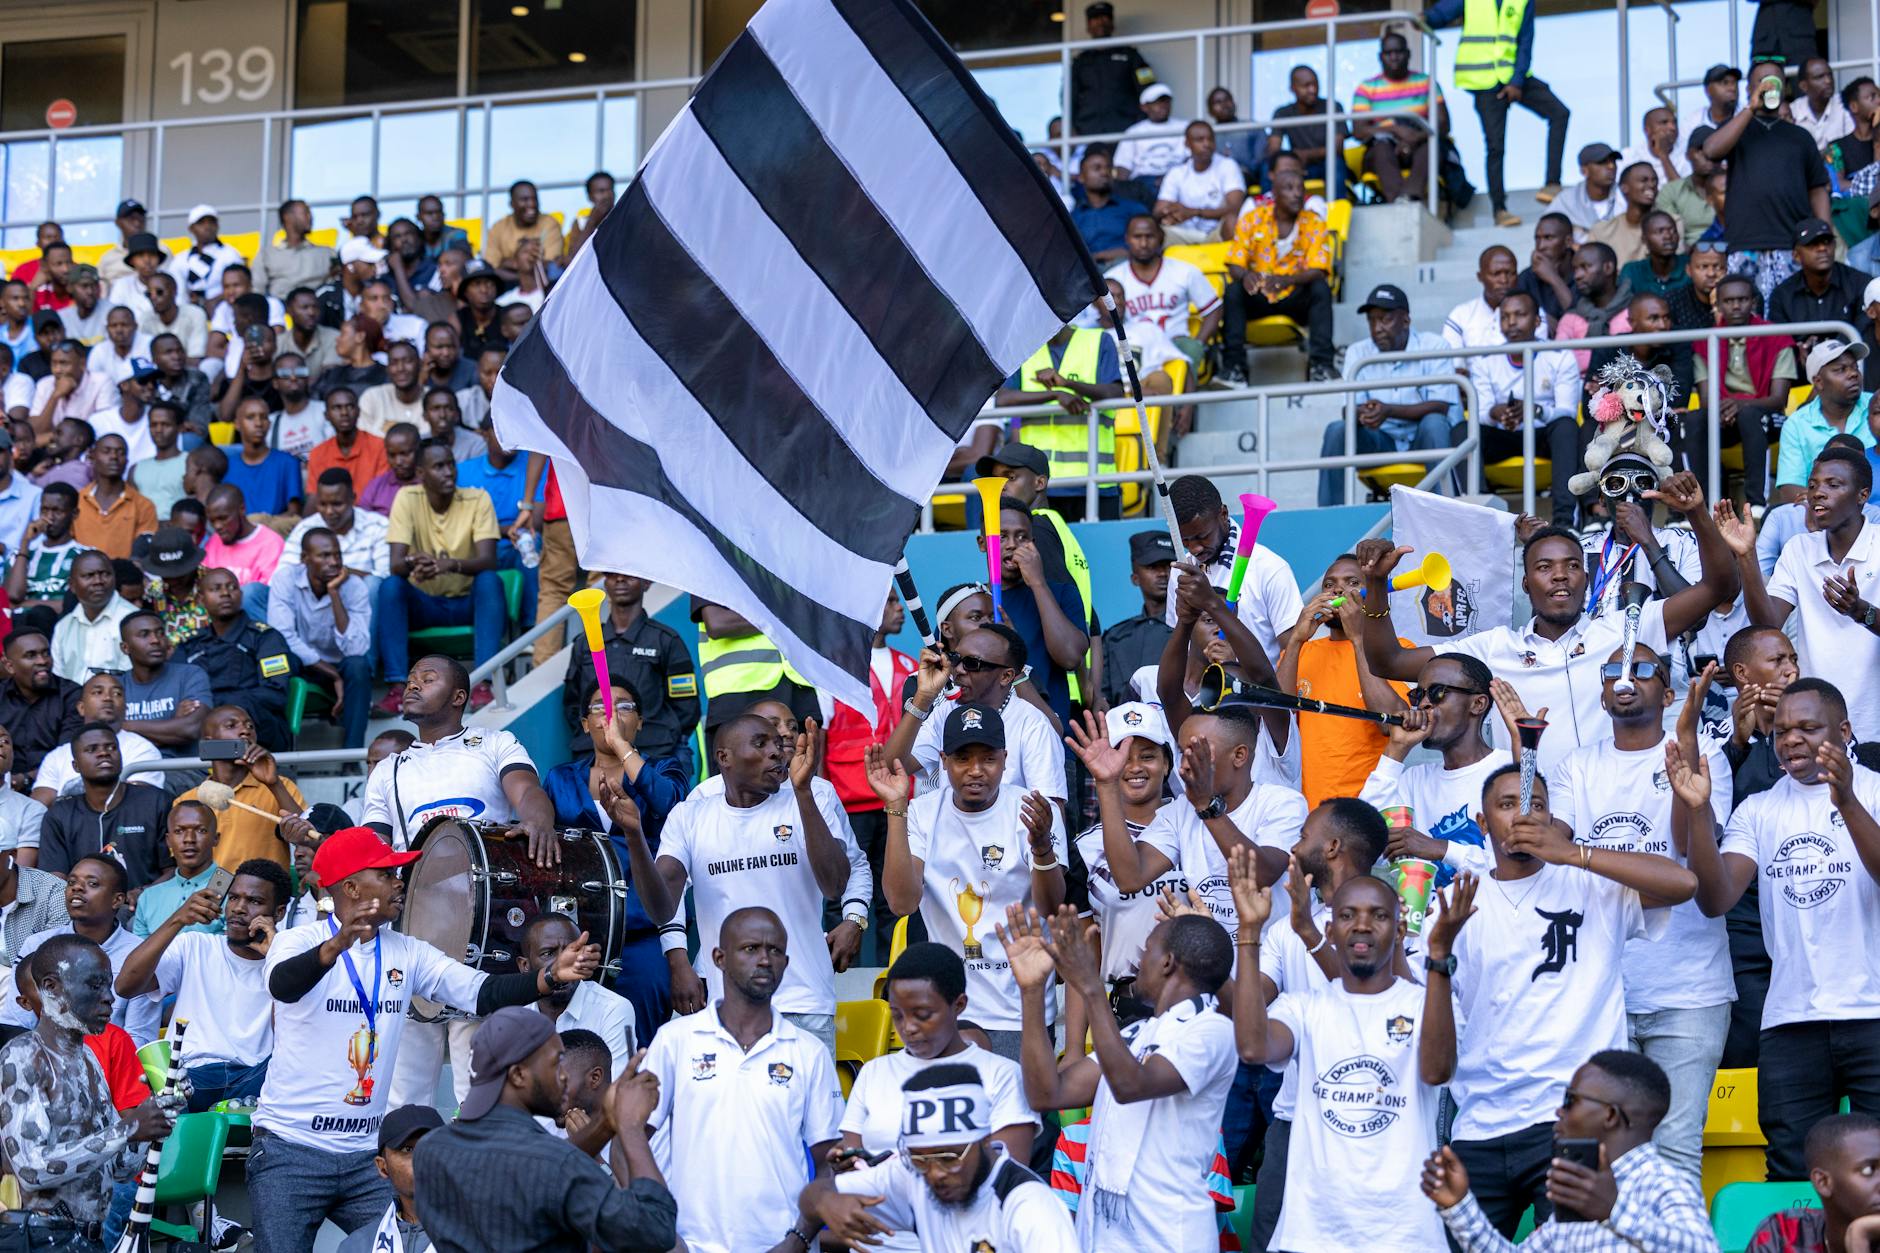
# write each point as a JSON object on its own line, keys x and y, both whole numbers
{"x": 552, "y": 508}
{"x": 118, "y": 1055}
{"x": 851, "y": 731}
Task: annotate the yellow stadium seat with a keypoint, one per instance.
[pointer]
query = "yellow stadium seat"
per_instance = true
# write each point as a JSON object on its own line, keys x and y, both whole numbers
{"x": 1274, "y": 332}
{"x": 328, "y": 236}
{"x": 222, "y": 433}
{"x": 247, "y": 243}
{"x": 473, "y": 227}
{"x": 89, "y": 254}
{"x": 1208, "y": 258}
{"x": 1799, "y": 396}
{"x": 1733, "y": 1138}
{"x": 1380, "y": 479}
{"x": 861, "y": 1036}
{"x": 1129, "y": 454}
{"x": 14, "y": 258}
{"x": 1505, "y": 475}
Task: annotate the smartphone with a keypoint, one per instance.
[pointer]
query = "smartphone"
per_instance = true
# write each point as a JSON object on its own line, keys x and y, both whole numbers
{"x": 1581, "y": 1152}
{"x": 221, "y": 881}
{"x": 1701, "y": 660}
{"x": 256, "y": 335}
{"x": 220, "y": 750}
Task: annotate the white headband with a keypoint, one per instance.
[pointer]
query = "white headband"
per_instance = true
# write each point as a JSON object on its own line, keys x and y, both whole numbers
{"x": 950, "y": 603}
{"x": 953, "y": 1115}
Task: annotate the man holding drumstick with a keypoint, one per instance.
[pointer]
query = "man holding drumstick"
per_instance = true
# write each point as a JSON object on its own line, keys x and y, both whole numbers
{"x": 340, "y": 987}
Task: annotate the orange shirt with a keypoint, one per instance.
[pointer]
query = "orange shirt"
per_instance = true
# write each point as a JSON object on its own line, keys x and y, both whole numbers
{"x": 1336, "y": 754}
{"x": 111, "y": 531}
{"x": 366, "y": 462}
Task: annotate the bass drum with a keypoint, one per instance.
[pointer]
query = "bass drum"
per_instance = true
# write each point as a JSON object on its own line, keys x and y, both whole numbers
{"x": 475, "y": 890}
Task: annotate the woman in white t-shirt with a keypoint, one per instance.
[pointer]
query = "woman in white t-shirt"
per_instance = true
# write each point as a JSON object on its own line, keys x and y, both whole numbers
{"x": 926, "y": 989}
{"x": 1141, "y": 751}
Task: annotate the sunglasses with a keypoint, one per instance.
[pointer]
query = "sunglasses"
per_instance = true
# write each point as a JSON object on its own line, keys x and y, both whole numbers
{"x": 1438, "y": 693}
{"x": 971, "y": 665}
{"x": 1640, "y": 670}
{"x": 1573, "y": 1098}
{"x": 291, "y": 373}
{"x": 931, "y": 1158}
{"x": 1711, "y": 245}
{"x": 1626, "y": 482}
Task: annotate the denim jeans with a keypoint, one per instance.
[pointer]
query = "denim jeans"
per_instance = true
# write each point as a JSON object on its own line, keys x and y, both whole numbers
{"x": 1432, "y": 432}
{"x": 402, "y": 609}
{"x": 221, "y": 1081}
{"x": 293, "y": 1189}
{"x": 255, "y": 597}
{"x": 1687, "y": 1044}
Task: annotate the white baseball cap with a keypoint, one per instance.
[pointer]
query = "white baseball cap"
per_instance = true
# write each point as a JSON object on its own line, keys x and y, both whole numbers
{"x": 1140, "y": 719}
{"x": 1830, "y": 350}
{"x": 358, "y": 249}
{"x": 1871, "y": 294}
{"x": 1155, "y": 91}
{"x": 202, "y": 211}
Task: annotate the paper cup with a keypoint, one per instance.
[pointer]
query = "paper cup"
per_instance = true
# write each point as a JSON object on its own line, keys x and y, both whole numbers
{"x": 1415, "y": 878}
{"x": 1399, "y": 817}
{"x": 155, "y": 1057}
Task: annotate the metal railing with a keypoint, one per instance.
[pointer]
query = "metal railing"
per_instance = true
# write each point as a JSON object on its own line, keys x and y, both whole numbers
{"x": 1352, "y": 461}
{"x": 1708, "y": 336}
{"x": 298, "y": 757}
{"x": 1671, "y": 52}
{"x": 496, "y": 669}
{"x": 1667, "y": 91}
{"x": 1068, "y": 48}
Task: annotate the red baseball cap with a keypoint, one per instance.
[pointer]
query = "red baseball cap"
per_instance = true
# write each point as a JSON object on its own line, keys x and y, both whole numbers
{"x": 351, "y": 849}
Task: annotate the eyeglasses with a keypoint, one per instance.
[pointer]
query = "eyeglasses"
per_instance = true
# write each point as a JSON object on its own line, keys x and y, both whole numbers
{"x": 1573, "y": 1098}
{"x": 929, "y": 1159}
{"x": 1640, "y": 670}
{"x": 1438, "y": 692}
{"x": 971, "y": 665}
{"x": 620, "y": 707}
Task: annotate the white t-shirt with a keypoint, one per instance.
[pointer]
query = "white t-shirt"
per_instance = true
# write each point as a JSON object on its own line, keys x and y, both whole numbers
{"x": 327, "y": 1086}
{"x": 1202, "y": 189}
{"x": 1165, "y": 300}
{"x": 977, "y": 861}
{"x": 1153, "y": 148}
{"x": 1618, "y": 799}
{"x": 1538, "y": 991}
{"x": 723, "y": 1109}
{"x": 1170, "y": 1144}
{"x": 140, "y": 1016}
{"x": 755, "y": 856}
{"x": 1269, "y": 596}
{"x": 1472, "y": 324}
{"x": 1366, "y": 1122}
{"x": 1034, "y": 754}
{"x": 1269, "y": 816}
{"x": 103, "y": 358}
{"x": 1443, "y": 803}
{"x": 860, "y": 888}
{"x": 1820, "y": 908}
{"x": 1125, "y": 918}
{"x": 875, "y": 1100}
{"x": 1284, "y": 960}
{"x": 1562, "y": 676}
{"x": 136, "y": 435}
{"x": 57, "y": 772}
{"x": 298, "y": 434}
{"x": 1013, "y": 1209}
{"x": 458, "y": 776}
{"x": 223, "y": 998}
{"x": 1827, "y": 642}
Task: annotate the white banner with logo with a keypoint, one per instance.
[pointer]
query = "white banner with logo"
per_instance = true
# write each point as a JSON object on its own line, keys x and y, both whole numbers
{"x": 1480, "y": 546}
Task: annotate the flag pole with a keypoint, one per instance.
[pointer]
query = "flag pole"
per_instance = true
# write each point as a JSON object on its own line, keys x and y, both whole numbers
{"x": 1142, "y": 420}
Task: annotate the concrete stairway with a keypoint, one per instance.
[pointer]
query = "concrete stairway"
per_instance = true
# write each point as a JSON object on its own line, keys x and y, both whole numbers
{"x": 1389, "y": 244}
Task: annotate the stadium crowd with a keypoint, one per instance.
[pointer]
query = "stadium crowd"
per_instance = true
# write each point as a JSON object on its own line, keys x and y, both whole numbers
{"x": 1161, "y": 940}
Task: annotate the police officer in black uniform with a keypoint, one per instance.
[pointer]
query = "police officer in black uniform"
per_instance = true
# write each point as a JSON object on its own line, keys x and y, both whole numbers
{"x": 1137, "y": 642}
{"x": 1106, "y": 82}
{"x": 653, "y": 658}
{"x": 248, "y": 662}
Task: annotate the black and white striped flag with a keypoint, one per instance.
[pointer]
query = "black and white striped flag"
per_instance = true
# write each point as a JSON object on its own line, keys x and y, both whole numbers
{"x": 755, "y": 373}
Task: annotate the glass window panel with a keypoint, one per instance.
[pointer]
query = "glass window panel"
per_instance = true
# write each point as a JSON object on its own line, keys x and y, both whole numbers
{"x": 417, "y": 152}
{"x": 546, "y": 143}
{"x": 90, "y": 177}
{"x": 26, "y": 181}
{"x": 524, "y": 45}
{"x": 1028, "y": 96}
{"x": 332, "y": 160}
{"x": 371, "y": 51}
{"x": 620, "y": 118}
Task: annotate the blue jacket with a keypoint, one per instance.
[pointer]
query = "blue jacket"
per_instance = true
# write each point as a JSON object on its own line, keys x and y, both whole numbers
{"x": 1448, "y": 12}
{"x": 662, "y": 785}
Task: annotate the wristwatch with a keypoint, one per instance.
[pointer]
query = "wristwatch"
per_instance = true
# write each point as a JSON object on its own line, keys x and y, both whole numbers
{"x": 916, "y": 712}
{"x": 1213, "y": 809}
{"x": 860, "y": 918}
{"x": 1442, "y": 966}
{"x": 1867, "y": 619}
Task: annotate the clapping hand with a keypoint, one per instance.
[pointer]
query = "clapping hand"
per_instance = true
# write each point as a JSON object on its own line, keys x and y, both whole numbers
{"x": 1253, "y": 904}
{"x": 1738, "y": 530}
{"x": 887, "y": 777}
{"x": 1022, "y": 937}
{"x": 1168, "y": 905}
{"x": 1842, "y": 593}
{"x": 1512, "y": 709}
{"x": 808, "y": 754}
{"x": 1073, "y": 948}
{"x": 1690, "y": 776}
{"x": 1457, "y": 906}
{"x": 1197, "y": 771}
{"x": 1090, "y": 740}
{"x": 1036, "y": 812}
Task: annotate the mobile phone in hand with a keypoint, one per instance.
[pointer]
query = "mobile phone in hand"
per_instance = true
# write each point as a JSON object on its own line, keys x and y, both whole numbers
{"x": 221, "y": 881}
{"x": 220, "y": 750}
{"x": 1581, "y": 1152}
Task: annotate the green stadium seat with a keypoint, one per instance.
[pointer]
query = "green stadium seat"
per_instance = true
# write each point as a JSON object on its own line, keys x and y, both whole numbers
{"x": 1741, "y": 1207}
{"x": 191, "y": 1168}
{"x": 460, "y": 641}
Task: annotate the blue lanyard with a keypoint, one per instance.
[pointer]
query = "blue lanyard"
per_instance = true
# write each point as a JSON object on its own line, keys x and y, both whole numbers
{"x": 370, "y": 1007}
{"x": 1606, "y": 573}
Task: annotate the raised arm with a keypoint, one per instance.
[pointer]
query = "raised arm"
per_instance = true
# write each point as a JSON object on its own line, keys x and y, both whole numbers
{"x": 1385, "y": 655}
{"x": 1717, "y": 581}
{"x": 1047, "y": 1085}
{"x": 139, "y": 972}
{"x": 1133, "y": 864}
{"x": 1722, "y": 878}
{"x": 828, "y": 856}
{"x": 1739, "y": 535}
{"x": 1258, "y": 1040}
{"x": 901, "y": 871}
{"x": 1075, "y": 956}
{"x": 929, "y": 682}
{"x": 1659, "y": 881}
{"x": 1436, "y": 1046}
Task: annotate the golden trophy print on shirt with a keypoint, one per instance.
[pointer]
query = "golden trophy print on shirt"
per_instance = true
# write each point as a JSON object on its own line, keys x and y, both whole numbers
{"x": 361, "y": 1051}
{"x": 972, "y": 903}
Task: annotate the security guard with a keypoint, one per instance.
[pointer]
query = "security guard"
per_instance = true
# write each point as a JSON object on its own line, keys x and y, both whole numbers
{"x": 1105, "y": 82}
{"x": 1074, "y": 367}
{"x": 1137, "y": 642}
{"x": 654, "y": 659}
{"x": 1492, "y": 65}
{"x": 248, "y": 662}
{"x": 1028, "y": 478}
{"x": 739, "y": 666}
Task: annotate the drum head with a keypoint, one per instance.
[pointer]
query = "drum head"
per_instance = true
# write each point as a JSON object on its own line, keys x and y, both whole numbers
{"x": 441, "y": 903}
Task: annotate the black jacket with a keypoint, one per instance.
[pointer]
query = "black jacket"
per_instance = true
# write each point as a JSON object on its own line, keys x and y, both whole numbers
{"x": 39, "y": 726}
{"x": 652, "y": 657}
{"x": 248, "y": 667}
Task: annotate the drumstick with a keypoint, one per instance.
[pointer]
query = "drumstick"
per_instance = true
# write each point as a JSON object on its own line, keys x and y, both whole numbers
{"x": 220, "y": 796}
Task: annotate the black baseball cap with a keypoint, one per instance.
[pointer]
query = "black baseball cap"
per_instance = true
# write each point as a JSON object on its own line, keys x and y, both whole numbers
{"x": 1102, "y": 8}
{"x": 1150, "y": 548}
{"x": 1716, "y": 72}
{"x": 1385, "y": 296}
{"x": 130, "y": 206}
{"x": 969, "y": 724}
{"x": 1808, "y": 230}
{"x": 508, "y": 1036}
{"x": 1015, "y": 455}
{"x": 405, "y": 1124}
{"x": 1594, "y": 154}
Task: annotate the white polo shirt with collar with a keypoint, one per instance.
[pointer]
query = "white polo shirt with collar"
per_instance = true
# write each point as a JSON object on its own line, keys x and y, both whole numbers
{"x": 1831, "y": 644}
{"x": 607, "y": 1014}
{"x": 1561, "y": 676}
{"x": 756, "y": 1112}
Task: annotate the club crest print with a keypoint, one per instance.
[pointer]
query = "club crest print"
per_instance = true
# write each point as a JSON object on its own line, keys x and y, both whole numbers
{"x": 395, "y": 977}
{"x": 991, "y": 856}
{"x": 780, "y": 1073}
{"x": 972, "y": 720}
{"x": 783, "y": 831}
{"x": 1807, "y": 871}
{"x": 1358, "y": 1097}
{"x": 1399, "y": 1028}
{"x": 704, "y": 1066}
{"x": 1131, "y": 718}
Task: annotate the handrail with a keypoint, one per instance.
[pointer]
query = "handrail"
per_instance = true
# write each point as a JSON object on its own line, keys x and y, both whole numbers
{"x": 1665, "y": 91}
{"x": 1671, "y": 50}
{"x": 302, "y": 757}
{"x": 1713, "y": 380}
{"x": 496, "y": 668}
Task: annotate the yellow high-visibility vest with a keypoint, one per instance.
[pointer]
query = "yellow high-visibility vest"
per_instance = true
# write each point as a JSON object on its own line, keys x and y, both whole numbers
{"x": 1065, "y": 441}
{"x": 1489, "y": 29}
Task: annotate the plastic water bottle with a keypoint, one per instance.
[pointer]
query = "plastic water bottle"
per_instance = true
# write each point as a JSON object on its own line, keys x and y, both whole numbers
{"x": 526, "y": 552}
